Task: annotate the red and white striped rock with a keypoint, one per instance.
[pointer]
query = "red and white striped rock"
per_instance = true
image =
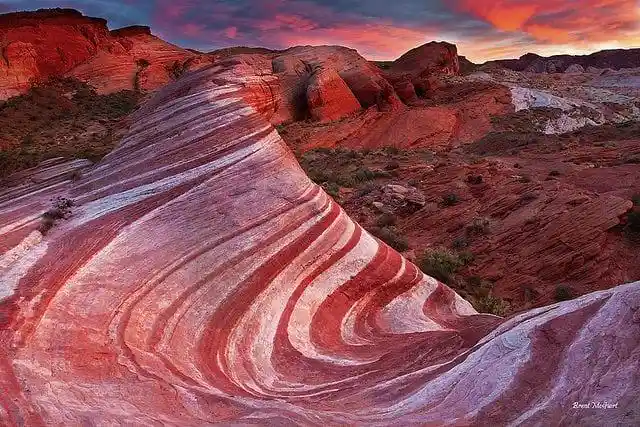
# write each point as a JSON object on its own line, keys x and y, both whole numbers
{"x": 203, "y": 278}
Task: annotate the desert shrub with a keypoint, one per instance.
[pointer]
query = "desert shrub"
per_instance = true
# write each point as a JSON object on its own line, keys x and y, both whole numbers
{"x": 633, "y": 160}
{"x": 363, "y": 174}
{"x": 386, "y": 220}
{"x": 450, "y": 199}
{"x": 554, "y": 173}
{"x": 331, "y": 188}
{"x": 177, "y": 69}
{"x": 563, "y": 293}
{"x": 633, "y": 222}
{"x": 366, "y": 188}
{"x": 636, "y": 200}
{"x": 479, "y": 226}
{"x": 392, "y": 165}
{"x": 143, "y": 63}
{"x": 60, "y": 209}
{"x": 391, "y": 237}
{"x": 443, "y": 264}
{"x": 391, "y": 150}
{"x": 524, "y": 179}
{"x": 460, "y": 243}
{"x": 491, "y": 304}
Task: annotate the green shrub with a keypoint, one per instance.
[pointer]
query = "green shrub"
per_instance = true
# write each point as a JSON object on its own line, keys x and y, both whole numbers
{"x": 391, "y": 237}
{"x": 443, "y": 264}
{"x": 563, "y": 293}
{"x": 332, "y": 189}
{"x": 636, "y": 200}
{"x": 491, "y": 304}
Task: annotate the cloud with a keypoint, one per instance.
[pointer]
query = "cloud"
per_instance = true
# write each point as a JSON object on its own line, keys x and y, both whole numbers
{"x": 378, "y": 29}
{"x": 561, "y": 21}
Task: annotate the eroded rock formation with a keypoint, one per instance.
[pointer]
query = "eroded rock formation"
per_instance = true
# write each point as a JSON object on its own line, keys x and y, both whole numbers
{"x": 56, "y": 42}
{"x": 201, "y": 277}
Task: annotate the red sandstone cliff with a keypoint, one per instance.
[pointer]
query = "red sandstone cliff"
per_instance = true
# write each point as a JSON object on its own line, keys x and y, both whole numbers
{"x": 56, "y": 42}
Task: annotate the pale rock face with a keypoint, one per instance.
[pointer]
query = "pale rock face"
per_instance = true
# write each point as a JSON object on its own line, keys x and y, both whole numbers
{"x": 202, "y": 278}
{"x": 569, "y": 120}
{"x": 574, "y": 68}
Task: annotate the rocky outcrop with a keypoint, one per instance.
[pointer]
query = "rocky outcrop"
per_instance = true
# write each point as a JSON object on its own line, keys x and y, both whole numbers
{"x": 414, "y": 75}
{"x": 615, "y": 59}
{"x": 63, "y": 42}
{"x": 574, "y": 68}
{"x": 201, "y": 277}
{"x": 328, "y": 96}
{"x": 430, "y": 58}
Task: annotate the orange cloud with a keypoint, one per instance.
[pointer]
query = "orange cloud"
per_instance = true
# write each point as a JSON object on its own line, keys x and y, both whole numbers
{"x": 561, "y": 21}
{"x": 503, "y": 15}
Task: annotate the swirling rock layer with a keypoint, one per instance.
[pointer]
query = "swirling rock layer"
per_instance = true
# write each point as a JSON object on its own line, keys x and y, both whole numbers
{"x": 202, "y": 278}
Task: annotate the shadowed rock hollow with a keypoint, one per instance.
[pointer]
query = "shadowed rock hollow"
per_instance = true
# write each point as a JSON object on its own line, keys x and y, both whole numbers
{"x": 201, "y": 277}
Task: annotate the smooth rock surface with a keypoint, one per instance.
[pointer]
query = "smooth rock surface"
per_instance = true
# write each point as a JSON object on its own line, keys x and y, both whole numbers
{"x": 203, "y": 278}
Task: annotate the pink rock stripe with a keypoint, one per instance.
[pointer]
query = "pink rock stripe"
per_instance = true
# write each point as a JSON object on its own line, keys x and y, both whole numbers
{"x": 202, "y": 278}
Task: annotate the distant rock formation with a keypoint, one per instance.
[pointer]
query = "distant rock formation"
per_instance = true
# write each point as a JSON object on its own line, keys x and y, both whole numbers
{"x": 574, "y": 68}
{"x": 615, "y": 59}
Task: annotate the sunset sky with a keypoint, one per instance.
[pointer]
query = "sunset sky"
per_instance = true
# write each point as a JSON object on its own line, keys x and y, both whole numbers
{"x": 378, "y": 29}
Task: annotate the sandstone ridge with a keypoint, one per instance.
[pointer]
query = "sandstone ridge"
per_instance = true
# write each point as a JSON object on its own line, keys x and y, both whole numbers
{"x": 198, "y": 276}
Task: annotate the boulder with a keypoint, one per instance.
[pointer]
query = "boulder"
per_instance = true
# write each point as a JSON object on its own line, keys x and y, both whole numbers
{"x": 430, "y": 58}
{"x": 328, "y": 96}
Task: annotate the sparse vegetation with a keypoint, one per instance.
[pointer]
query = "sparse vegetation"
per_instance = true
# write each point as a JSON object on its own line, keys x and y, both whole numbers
{"x": 177, "y": 69}
{"x": 342, "y": 167}
{"x": 635, "y": 160}
{"x": 460, "y": 243}
{"x": 443, "y": 264}
{"x": 391, "y": 237}
{"x": 386, "y": 220}
{"x": 62, "y": 117}
{"x": 563, "y": 293}
{"x": 392, "y": 165}
{"x": 479, "y": 227}
{"x": 142, "y": 64}
{"x": 554, "y": 173}
{"x": 636, "y": 200}
{"x": 479, "y": 293}
{"x": 332, "y": 189}
{"x": 450, "y": 200}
